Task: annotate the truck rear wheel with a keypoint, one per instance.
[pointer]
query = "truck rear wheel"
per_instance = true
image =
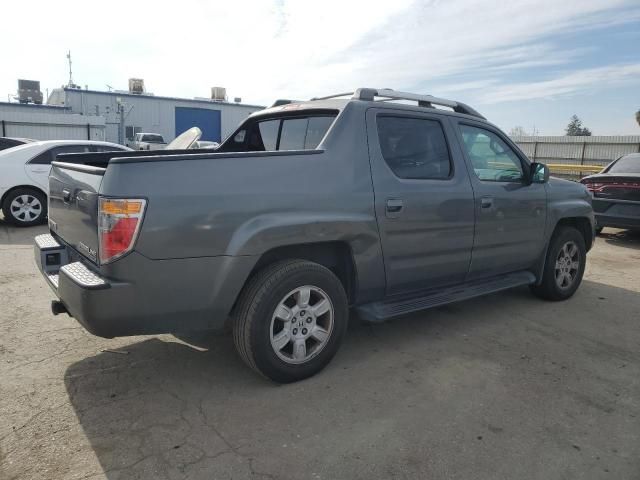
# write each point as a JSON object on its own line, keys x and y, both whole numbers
{"x": 290, "y": 320}
{"x": 564, "y": 265}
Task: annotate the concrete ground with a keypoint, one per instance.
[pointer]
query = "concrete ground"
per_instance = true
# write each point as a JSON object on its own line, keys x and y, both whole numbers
{"x": 502, "y": 387}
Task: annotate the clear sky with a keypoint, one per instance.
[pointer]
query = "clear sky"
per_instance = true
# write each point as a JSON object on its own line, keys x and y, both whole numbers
{"x": 527, "y": 63}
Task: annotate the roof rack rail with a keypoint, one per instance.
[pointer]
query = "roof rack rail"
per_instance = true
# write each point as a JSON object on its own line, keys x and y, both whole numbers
{"x": 336, "y": 95}
{"x": 387, "y": 94}
{"x": 423, "y": 100}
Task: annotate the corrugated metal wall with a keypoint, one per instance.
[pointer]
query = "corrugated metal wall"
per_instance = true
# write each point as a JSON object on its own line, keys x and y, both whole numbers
{"x": 45, "y": 123}
{"x": 595, "y": 150}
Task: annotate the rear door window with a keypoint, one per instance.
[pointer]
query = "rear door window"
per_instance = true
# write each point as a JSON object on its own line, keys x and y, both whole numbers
{"x": 70, "y": 149}
{"x": 46, "y": 157}
{"x": 414, "y": 147}
{"x": 43, "y": 158}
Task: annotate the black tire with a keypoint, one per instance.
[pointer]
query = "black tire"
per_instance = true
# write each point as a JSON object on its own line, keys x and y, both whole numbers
{"x": 549, "y": 288}
{"x": 252, "y": 318}
{"x": 23, "y": 219}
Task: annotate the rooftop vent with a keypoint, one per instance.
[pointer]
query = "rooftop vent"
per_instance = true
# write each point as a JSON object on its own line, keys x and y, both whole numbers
{"x": 136, "y": 86}
{"x": 218, "y": 94}
{"x": 237, "y": 100}
{"x": 29, "y": 91}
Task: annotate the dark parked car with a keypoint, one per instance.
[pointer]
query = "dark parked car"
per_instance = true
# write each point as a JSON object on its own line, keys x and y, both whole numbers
{"x": 616, "y": 193}
{"x": 9, "y": 142}
{"x": 307, "y": 209}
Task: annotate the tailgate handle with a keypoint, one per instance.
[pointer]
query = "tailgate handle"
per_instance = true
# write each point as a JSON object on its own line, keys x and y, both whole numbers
{"x": 66, "y": 195}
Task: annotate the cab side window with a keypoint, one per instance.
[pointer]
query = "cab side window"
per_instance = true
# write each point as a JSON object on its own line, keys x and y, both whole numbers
{"x": 492, "y": 159}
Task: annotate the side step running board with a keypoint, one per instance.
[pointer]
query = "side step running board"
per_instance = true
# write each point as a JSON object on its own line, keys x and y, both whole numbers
{"x": 405, "y": 304}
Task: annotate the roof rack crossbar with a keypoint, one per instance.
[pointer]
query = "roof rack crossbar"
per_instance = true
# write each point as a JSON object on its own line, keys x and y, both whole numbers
{"x": 423, "y": 100}
{"x": 337, "y": 95}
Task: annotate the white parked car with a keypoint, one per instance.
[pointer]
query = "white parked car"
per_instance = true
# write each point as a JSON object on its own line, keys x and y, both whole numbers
{"x": 148, "y": 141}
{"x": 24, "y": 176}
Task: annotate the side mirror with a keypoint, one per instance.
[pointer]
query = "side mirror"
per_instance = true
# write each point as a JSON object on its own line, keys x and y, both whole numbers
{"x": 539, "y": 173}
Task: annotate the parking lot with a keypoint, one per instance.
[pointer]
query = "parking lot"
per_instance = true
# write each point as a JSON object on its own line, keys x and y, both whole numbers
{"x": 505, "y": 386}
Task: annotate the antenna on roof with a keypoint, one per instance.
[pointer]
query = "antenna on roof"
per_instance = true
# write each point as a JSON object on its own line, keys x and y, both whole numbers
{"x": 70, "y": 84}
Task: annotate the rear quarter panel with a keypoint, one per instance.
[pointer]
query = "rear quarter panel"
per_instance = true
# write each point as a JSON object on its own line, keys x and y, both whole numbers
{"x": 246, "y": 204}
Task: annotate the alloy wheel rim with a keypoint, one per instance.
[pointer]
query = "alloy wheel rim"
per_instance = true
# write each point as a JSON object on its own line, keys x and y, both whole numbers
{"x": 301, "y": 324}
{"x": 26, "y": 208}
{"x": 567, "y": 265}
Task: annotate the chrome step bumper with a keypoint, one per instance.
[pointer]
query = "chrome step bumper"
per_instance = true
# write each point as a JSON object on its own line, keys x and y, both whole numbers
{"x": 54, "y": 261}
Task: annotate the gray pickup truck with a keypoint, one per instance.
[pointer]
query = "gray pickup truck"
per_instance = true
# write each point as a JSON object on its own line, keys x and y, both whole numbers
{"x": 384, "y": 202}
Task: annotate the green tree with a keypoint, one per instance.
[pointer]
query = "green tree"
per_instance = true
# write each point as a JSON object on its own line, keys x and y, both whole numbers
{"x": 576, "y": 129}
{"x": 518, "y": 131}
{"x": 638, "y": 117}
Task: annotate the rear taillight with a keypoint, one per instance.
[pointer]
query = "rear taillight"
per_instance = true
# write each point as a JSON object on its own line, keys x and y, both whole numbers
{"x": 119, "y": 221}
{"x": 593, "y": 187}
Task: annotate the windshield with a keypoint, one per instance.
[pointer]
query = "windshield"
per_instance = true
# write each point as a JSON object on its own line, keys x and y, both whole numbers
{"x": 626, "y": 164}
{"x": 152, "y": 138}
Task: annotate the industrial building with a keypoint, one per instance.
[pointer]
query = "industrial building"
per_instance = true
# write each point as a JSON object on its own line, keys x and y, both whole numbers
{"x": 116, "y": 116}
{"x": 47, "y": 122}
{"x": 141, "y": 112}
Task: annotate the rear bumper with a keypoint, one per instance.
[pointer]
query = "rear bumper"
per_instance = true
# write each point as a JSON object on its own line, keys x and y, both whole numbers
{"x": 616, "y": 213}
{"x": 136, "y": 295}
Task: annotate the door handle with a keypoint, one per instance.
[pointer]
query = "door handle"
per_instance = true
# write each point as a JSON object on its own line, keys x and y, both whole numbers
{"x": 486, "y": 202}
{"x": 394, "y": 205}
{"x": 66, "y": 195}
{"x": 40, "y": 170}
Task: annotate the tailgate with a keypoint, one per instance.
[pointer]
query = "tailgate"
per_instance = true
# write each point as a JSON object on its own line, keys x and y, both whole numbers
{"x": 73, "y": 205}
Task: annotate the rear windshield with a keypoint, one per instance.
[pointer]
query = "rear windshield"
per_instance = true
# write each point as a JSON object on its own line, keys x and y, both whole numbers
{"x": 152, "y": 138}
{"x": 282, "y": 133}
{"x": 626, "y": 164}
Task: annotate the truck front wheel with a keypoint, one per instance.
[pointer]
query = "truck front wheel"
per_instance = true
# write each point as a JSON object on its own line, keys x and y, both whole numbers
{"x": 564, "y": 265}
{"x": 290, "y": 320}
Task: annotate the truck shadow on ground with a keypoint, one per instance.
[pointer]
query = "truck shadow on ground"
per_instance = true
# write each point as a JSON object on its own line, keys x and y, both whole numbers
{"x": 11, "y": 235}
{"x": 622, "y": 238}
{"x": 167, "y": 409}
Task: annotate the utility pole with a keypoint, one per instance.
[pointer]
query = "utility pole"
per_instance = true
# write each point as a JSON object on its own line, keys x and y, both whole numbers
{"x": 120, "y": 121}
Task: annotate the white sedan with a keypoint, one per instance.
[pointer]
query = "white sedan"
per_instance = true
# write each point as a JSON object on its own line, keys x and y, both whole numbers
{"x": 24, "y": 176}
